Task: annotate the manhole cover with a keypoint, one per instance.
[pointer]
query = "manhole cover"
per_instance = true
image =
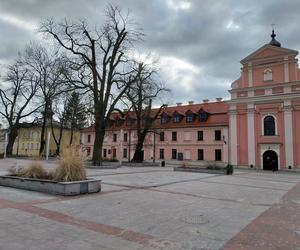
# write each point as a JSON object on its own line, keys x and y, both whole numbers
{"x": 195, "y": 219}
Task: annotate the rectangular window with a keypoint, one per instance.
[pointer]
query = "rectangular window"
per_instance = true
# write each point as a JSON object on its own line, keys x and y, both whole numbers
{"x": 162, "y": 136}
{"x": 114, "y": 153}
{"x": 128, "y": 122}
{"x": 218, "y": 155}
{"x": 124, "y": 152}
{"x": 164, "y": 119}
{"x": 200, "y": 155}
{"x": 125, "y": 137}
{"x": 200, "y": 135}
{"x": 174, "y": 154}
{"x": 174, "y": 136}
{"x": 161, "y": 153}
{"x": 109, "y": 151}
{"x": 187, "y": 136}
{"x": 187, "y": 155}
{"x": 114, "y": 137}
{"x": 217, "y": 135}
{"x": 89, "y": 138}
{"x": 190, "y": 118}
{"x": 31, "y": 146}
{"x": 104, "y": 153}
{"x": 176, "y": 118}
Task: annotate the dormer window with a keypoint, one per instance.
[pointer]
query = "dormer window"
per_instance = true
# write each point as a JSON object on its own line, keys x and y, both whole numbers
{"x": 129, "y": 122}
{"x": 119, "y": 122}
{"x": 202, "y": 116}
{"x": 164, "y": 119}
{"x": 176, "y": 118}
{"x": 189, "y": 117}
{"x": 268, "y": 75}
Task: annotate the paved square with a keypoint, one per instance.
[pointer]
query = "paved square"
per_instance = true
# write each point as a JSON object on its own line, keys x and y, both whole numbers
{"x": 156, "y": 208}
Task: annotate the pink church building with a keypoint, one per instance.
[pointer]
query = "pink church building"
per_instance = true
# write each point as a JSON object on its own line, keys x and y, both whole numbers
{"x": 264, "y": 110}
{"x": 259, "y": 127}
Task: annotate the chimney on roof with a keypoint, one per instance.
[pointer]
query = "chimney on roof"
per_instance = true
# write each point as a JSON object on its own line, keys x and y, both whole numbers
{"x": 191, "y": 102}
{"x": 219, "y": 99}
{"x": 205, "y": 100}
{"x": 179, "y": 103}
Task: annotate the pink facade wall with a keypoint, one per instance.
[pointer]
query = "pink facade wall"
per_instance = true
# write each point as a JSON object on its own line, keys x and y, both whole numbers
{"x": 258, "y": 73}
{"x": 187, "y": 143}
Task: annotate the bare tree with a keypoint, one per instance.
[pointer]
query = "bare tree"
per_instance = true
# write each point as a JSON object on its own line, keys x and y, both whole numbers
{"x": 48, "y": 69}
{"x": 99, "y": 62}
{"x": 16, "y": 96}
{"x": 59, "y": 111}
{"x": 141, "y": 94}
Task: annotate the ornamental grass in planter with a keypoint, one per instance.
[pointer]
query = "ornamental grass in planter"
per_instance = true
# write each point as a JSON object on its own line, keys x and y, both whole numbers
{"x": 34, "y": 170}
{"x": 71, "y": 166}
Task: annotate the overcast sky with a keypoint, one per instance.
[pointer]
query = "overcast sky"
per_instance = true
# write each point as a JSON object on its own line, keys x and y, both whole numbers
{"x": 199, "y": 43}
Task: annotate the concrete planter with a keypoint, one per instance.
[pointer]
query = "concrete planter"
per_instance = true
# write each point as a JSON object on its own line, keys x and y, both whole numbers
{"x": 52, "y": 187}
{"x": 201, "y": 170}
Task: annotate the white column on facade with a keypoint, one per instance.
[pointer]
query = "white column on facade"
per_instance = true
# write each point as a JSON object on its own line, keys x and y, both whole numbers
{"x": 251, "y": 134}
{"x": 286, "y": 69}
{"x": 288, "y": 133}
{"x": 225, "y": 145}
{"x": 233, "y": 134}
{"x": 250, "y": 75}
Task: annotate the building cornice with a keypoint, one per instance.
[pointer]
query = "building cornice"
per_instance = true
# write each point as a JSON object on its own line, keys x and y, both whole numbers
{"x": 284, "y": 84}
{"x": 265, "y": 99}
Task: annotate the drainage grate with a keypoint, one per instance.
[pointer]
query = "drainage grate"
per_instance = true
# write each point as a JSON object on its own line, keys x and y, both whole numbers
{"x": 195, "y": 219}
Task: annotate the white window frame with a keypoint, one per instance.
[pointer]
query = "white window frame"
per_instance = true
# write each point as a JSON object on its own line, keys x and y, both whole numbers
{"x": 263, "y": 124}
{"x": 187, "y": 136}
{"x": 268, "y": 75}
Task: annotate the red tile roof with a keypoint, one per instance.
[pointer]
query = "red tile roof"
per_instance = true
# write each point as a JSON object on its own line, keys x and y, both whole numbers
{"x": 217, "y": 116}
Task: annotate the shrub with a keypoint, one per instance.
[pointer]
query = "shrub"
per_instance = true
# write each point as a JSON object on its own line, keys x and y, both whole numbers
{"x": 14, "y": 171}
{"x": 34, "y": 170}
{"x": 71, "y": 165}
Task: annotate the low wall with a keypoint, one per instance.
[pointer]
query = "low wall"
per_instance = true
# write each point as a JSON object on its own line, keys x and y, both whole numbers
{"x": 201, "y": 170}
{"x": 52, "y": 187}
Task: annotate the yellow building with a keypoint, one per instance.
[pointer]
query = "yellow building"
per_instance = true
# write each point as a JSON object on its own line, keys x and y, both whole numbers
{"x": 29, "y": 137}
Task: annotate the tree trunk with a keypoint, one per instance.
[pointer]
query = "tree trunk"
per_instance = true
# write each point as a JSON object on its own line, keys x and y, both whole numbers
{"x": 57, "y": 150}
{"x": 71, "y": 136}
{"x": 43, "y": 142}
{"x": 11, "y": 140}
{"x": 98, "y": 143}
{"x": 138, "y": 153}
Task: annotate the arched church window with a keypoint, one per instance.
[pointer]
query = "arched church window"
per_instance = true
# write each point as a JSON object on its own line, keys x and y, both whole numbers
{"x": 269, "y": 125}
{"x": 268, "y": 76}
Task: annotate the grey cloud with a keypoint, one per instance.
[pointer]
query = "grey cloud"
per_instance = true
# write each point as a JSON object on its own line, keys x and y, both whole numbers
{"x": 199, "y": 36}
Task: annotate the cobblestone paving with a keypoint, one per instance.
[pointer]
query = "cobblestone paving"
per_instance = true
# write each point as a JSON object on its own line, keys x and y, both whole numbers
{"x": 156, "y": 208}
